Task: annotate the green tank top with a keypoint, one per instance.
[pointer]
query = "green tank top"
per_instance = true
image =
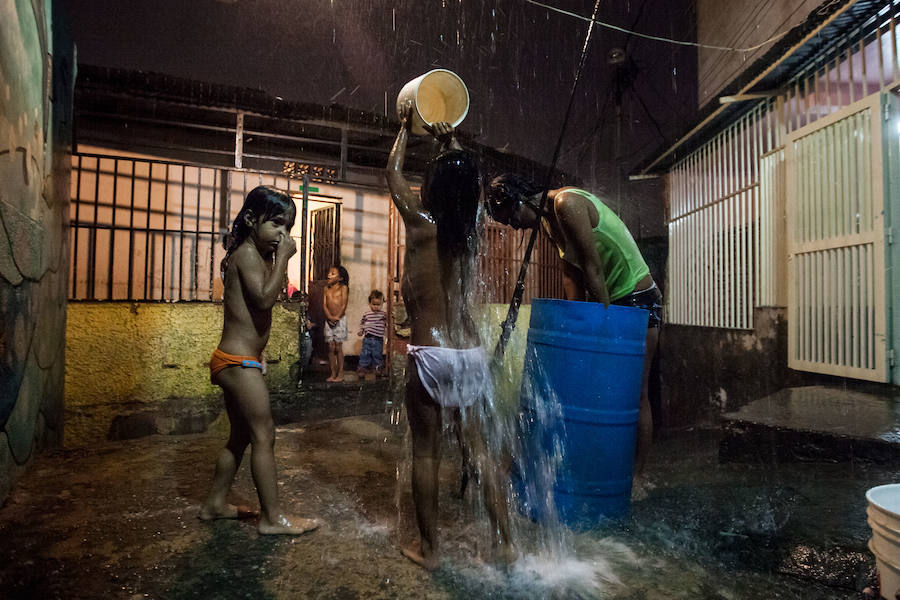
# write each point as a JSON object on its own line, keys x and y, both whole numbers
{"x": 624, "y": 266}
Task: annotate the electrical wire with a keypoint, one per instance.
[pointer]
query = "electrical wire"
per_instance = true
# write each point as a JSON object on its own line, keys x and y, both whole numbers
{"x": 512, "y": 314}
{"x": 654, "y": 37}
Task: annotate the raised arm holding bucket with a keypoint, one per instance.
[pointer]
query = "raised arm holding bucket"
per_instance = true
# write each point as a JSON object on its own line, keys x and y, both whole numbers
{"x": 447, "y": 369}
{"x": 438, "y": 96}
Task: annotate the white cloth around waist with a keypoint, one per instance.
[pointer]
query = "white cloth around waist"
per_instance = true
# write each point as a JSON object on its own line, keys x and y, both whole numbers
{"x": 453, "y": 377}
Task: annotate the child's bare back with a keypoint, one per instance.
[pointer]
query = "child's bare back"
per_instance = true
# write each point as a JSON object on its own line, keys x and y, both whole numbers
{"x": 246, "y": 327}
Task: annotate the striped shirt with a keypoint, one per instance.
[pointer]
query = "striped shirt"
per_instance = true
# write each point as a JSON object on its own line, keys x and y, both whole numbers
{"x": 374, "y": 322}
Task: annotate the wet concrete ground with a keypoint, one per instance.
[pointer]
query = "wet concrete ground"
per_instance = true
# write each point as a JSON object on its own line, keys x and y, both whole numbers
{"x": 816, "y": 423}
{"x": 119, "y": 521}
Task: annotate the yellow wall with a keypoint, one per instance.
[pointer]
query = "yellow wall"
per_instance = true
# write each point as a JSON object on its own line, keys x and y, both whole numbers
{"x": 508, "y": 375}
{"x": 124, "y": 357}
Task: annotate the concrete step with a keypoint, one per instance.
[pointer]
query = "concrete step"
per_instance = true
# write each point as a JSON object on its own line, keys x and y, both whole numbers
{"x": 815, "y": 424}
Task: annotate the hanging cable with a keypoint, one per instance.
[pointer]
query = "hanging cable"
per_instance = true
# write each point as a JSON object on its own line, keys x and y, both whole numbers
{"x": 593, "y": 19}
{"x": 516, "y": 301}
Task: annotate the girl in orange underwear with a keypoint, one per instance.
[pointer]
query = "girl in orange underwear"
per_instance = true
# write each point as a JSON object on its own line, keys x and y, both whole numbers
{"x": 258, "y": 249}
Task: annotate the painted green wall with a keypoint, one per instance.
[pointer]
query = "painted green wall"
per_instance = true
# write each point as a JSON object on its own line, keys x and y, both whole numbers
{"x": 892, "y": 224}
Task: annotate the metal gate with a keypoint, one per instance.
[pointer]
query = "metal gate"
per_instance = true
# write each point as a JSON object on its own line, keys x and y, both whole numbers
{"x": 835, "y": 202}
{"x": 326, "y": 250}
{"x": 150, "y": 230}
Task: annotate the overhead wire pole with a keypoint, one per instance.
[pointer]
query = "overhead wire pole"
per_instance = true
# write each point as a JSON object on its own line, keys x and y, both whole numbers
{"x": 513, "y": 313}
{"x": 626, "y": 73}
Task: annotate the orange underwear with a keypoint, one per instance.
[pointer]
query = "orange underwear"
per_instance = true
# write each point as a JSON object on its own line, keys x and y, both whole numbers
{"x": 220, "y": 360}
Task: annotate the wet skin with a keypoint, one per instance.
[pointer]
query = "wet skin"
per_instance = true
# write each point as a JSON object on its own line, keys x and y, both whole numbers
{"x": 252, "y": 283}
{"x": 435, "y": 293}
{"x": 335, "y": 306}
{"x": 571, "y": 220}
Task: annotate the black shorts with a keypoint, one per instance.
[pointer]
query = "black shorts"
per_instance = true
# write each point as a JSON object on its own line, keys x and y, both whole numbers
{"x": 649, "y": 299}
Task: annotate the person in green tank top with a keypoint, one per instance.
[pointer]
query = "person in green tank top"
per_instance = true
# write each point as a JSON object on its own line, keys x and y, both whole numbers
{"x": 601, "y": 261}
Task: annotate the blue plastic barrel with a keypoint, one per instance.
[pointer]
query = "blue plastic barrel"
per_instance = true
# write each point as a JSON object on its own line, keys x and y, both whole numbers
{"x": 590, "y": 358}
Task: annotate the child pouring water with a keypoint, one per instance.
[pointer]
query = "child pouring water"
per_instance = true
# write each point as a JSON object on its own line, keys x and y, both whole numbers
{"x": 447, "y": 369}
{"x": 253, "y": 269}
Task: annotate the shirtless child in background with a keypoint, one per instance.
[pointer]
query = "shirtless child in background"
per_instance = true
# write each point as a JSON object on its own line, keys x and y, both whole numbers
{"x": 335, "y": 304}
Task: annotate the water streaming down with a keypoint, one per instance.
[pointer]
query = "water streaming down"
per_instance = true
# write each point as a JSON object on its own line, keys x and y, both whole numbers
{"x": 547, "y": 560}
{"x": 530, "y": 427}
{"x": 714, "y": 532}
{"x": 655, "y": 555}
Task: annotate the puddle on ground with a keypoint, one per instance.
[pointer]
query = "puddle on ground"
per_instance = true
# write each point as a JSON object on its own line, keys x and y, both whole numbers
{"x": 117, "y": 524}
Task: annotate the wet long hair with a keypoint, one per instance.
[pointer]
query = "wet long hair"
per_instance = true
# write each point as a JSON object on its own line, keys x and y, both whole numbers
{"x": 507, "y": 193}
{"x": 264, "y": 203}
{"x": 451, "y": 192}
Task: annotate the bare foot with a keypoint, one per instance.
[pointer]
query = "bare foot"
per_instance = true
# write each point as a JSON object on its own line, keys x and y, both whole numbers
{"x": 414, "y": 553}
{"x": 285, "y": 525}
{"x": 506, "y": 554}
{"x": 229, "y": 511}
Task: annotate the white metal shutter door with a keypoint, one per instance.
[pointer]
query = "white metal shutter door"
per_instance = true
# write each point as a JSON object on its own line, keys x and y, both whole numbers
{"x": 836, "y": 289}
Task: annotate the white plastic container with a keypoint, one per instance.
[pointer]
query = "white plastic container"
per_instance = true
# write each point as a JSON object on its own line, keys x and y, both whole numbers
{"x": 437, "y": 96}
{"x": 884, "y": 519}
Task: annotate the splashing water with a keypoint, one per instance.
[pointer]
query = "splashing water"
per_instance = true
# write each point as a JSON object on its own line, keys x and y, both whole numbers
{"x": 521, "y": 443}
{"x": 589, "y": 574}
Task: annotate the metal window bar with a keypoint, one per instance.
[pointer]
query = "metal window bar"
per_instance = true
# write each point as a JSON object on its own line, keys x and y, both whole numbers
{"x": 112, "y": 236}
{"x": 165, "y": 232}
{"x": 195, "y": 259}
{"x": 130, "y": 284}
{"x": 181, "y": 237}
{"x": 76, "y": 206}
{"x": 723, "y": 245}
{"x": 220, "y": 182}
{"x": 713, "y": 227}
{"x": 92, "y": 264}
{"x": 304, "y": 231}
{"x": 106, "y": 268}
{"x": 147, "y": 231}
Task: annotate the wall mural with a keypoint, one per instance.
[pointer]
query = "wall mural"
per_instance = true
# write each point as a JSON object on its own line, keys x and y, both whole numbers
{"x": 36, "y": 83}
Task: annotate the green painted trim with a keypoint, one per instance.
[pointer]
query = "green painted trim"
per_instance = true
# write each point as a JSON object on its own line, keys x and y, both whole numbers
{"x": 891, "y": 162}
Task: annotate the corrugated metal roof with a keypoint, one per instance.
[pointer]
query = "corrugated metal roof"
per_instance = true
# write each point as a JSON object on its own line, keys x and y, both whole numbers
{"x": 814, "y": 41}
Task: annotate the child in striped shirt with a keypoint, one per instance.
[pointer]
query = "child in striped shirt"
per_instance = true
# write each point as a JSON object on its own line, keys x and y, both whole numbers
{"x": 372, "y": 327}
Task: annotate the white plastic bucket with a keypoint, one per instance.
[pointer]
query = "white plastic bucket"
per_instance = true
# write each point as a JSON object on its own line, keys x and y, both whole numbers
{"x": 884, "y": 519}
{"x": 437, "y": 96}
